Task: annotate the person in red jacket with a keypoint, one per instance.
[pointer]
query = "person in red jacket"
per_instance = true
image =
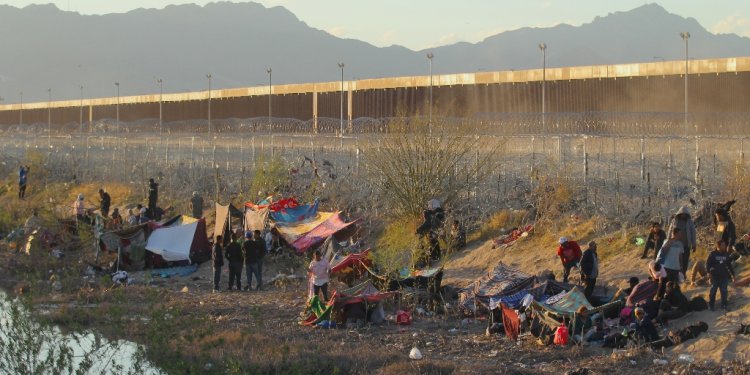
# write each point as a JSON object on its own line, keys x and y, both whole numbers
{"x": 570, "y": 254}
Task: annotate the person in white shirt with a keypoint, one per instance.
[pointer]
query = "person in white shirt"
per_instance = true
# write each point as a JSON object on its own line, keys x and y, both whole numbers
{"x": 318, "y": 271}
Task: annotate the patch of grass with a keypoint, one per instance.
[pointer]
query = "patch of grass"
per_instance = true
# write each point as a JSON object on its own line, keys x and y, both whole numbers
{"x": 505, "y": 219}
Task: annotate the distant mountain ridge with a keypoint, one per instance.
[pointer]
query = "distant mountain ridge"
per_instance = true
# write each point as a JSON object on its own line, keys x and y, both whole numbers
{"x": 237, "y": 42}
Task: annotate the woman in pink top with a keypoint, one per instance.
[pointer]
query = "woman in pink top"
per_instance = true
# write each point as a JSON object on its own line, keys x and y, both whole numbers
{"x": 318, "y": 272}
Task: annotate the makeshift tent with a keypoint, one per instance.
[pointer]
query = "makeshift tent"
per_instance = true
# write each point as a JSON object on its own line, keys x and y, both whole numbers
{"x": 502, "y": 281}
{"x": 132, "y": 246}
{"x": 256, "y": 219}
{"x": 179, "y": 242}
{"x": 331, "y": 227}
{"x": 568, "y": 302}
{"x": 428, "y": 279}
{"x": 290, "y": 232}
{"x": 273, "y": 206}
{"x": 365, "y": 294}
{"x": 317, "y": 311}
{"x": 351, "y": 262}
{"x": 224, "y": 216}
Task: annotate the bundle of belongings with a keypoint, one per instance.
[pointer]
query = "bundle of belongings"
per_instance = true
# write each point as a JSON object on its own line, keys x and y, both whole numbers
{"x": 509, "y": 239}
{"x": 356, "y": 305}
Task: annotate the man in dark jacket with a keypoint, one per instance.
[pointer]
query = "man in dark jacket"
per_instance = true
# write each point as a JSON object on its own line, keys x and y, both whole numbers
{"x": 589, "y": 269}
{"x": 106, "y": 201}
{"x": 23, "y": 173}
{"x": 570, "y": 254}
{"x": 254, "y": 249}
{"x": 656, "y": 238}
{"x": 217, "y": 257}
{"x": 720, "y": 269}
{"x": 234, "y": 255}
{"x": 153, "y": 195}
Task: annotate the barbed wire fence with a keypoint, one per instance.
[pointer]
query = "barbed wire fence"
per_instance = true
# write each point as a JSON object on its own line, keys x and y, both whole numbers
{"x": 630, "y": 167}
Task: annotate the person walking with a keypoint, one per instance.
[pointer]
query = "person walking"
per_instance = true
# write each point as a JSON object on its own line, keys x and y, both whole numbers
{"x": 106, "y": 201}
{"x": 217, "y": 257}
{"x": 720, "y": 269}
{"x": 234, "y": 256}
{"x": 23, "y": 174}
{"x": 655, "y": 240}
{"x": 318, "y": 272}
{"x": 254, "y": 249}
{"x": 670, "y": 256}
{"x": 589, "y": 269}
{"x": 683, "y": 221}
{"x": 196, "y": 205}
{"x": 570, "y": 254}
{"x": 153, "y": 196}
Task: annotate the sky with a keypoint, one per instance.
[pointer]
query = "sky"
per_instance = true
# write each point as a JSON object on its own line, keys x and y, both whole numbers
{"x": 421, "y": 24}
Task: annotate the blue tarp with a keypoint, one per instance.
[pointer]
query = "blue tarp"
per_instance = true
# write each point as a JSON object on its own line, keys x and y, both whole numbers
{"x": 296, "y": 214}
{"x": 172, "y": 271}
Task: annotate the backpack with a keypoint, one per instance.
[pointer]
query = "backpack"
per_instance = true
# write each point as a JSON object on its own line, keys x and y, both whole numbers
{"x": 615, "y": 340}
{"x": 561, "y": 335}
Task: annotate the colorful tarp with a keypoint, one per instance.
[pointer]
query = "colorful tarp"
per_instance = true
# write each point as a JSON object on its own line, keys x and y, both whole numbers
{"x": 502, "y": 281}
{"x": 318, "y": 235}
{"x": 351, "y": 260}
{"x": 364, "y": 292}
{"x": 292, "y": 231}
{"x": 569, "y": 302}
{"x": 273, "y": 206}
{"x": 295, "y": 214}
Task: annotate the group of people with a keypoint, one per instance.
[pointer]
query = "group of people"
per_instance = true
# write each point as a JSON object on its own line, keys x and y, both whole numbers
{"x": 248, "y": 251}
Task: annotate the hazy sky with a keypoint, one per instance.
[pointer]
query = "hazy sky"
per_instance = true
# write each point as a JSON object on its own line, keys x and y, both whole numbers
{"x": 419, "y": 24}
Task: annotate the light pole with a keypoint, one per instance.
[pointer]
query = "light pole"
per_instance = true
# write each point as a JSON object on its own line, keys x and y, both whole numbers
{"x": 117, "y": 110}
{"x": 49, "y": 118}
{"x": 430, "y": 55}
{"x": 341, "y": 120}
{"x": 270, "y": 72}
{"x": 161, "y": 95}
{"x": 685, "y": 36}
{"x": 20, "y": 112}
{"x": 543, "y": 48}
{"x": 209, "y": 103}
{"x": 80, "y": 112}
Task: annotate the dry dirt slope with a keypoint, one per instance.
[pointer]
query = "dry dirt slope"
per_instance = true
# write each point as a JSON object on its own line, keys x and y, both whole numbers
{"x": 620, "y": 261}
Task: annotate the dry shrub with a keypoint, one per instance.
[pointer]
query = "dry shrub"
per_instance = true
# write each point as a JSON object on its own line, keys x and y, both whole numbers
{"x": 737, "y": 186}
{"x": 505, "y": 219}
{"x": 396, "y": 245}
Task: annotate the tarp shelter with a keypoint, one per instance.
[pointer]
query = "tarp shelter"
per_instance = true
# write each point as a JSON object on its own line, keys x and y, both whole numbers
{"x": 429, "y": 279}
{"x": 272, "y": 205}
{"x": 256, "y": 219}
{"x": 365, "y": 294}
{"x": 295, "y": 214}
{"x": 179, "y": 242}
{"x": 132, "y": 244}
{"x": 224, "y": 216}
{"x": 351, "y": 262}
{"x": 290, "y": 232}
{"x": 333, "y": 226}
{"x": 502, "y": 281}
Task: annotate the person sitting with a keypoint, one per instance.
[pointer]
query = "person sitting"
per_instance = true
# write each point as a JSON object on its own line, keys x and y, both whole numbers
{"x": 699, "y": 275}
{"x": 132, "y": 218}
{"x": 674, "y": 305}
{"x": 582, "y": 328}
{"x": 623, "y": 293}
{"x": 655, "y": 240}
{"x": 679, "y": 336}
{"x": 116, "y": 222}
{"x": 644, "y": 330}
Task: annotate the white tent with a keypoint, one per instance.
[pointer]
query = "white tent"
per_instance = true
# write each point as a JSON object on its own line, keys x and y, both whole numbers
{"x": 173, "y": 243}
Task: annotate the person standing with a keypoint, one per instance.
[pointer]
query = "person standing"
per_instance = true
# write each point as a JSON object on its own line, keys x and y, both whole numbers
{"x": 684, "y": 222}
{"x": 218, "y": 261}
{"x": 254, "y": 250}
{"x": 105, "y": 202}
{"x": 570, "y": 254}
{"x": 23, "y": 174}
{"x": 153, "y": 196}
{"x": 720, "y": 269}
{"x": 656, "y": 238}
{"x": 318, "y": 272}
{"x": 234, "y": 256}
{"x": 589, "y": 269}
{"x": 196, "y": 205}
{"x": 670, "y": 256}
{"x": 725, "y": 228}
{"x": 79, "y": 209}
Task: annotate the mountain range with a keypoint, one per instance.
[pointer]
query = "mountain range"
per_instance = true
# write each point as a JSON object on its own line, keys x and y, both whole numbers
{"x": 47, "y": 48}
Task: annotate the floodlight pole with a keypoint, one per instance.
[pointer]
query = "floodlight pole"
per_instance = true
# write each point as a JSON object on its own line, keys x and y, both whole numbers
{"x": 49, "y": 118}
{"x": 209, "y": 103}
{"x": 430, "y": 55}
{"x": 686, "y": 36}
{"x": 543, "y": 48}
{"x": 80, "y": 112}
{"x": 117, "y": 110}
{"x": 20, "y": 114}
{"x": 161, "y": 101}
{"x": 341, "y": 99}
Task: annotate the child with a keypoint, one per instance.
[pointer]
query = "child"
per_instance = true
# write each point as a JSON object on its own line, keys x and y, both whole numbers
{"x": 721, "y": 271}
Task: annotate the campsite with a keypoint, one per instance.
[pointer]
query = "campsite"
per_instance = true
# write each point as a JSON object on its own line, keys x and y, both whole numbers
{"x": 457, "y": 310}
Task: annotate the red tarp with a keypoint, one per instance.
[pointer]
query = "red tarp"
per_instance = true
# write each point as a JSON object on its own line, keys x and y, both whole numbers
{"x": 273, "y": 206}
{"x": 319, "y": 234}
{"x": 353, "y": 260}
{"x": 511, "y": 322}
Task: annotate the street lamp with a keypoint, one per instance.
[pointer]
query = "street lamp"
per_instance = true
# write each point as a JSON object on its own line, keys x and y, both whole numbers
{"x": 685, "y": 36}
{"x": 117, "y": 110}
{"x": 20, "y": 112}
{"x": 80, "y": 112}
{"x": 49, "y": 118}
{"x": 341, "y": 121}
{"x": 270, "y": 72}
{"x": 161, "y": 94}
{"x": 209, "y": 103}
{"x": 429, "y": 121}
{"x": 543, "y": 48}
